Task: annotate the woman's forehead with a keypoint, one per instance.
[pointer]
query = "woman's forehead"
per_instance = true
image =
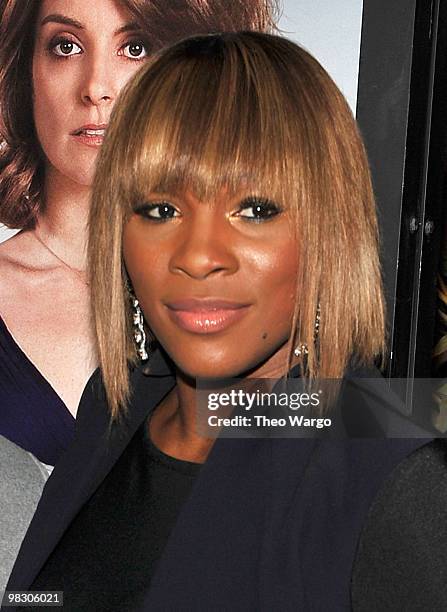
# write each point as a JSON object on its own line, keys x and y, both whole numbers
{"x": 100, "y": 15}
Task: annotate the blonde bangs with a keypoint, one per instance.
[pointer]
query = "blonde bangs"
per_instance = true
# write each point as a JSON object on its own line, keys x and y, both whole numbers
{"x": 208, "y": 123}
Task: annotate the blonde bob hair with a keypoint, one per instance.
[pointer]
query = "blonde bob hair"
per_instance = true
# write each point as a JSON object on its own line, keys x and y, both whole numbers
{"x": 220, "y": 111}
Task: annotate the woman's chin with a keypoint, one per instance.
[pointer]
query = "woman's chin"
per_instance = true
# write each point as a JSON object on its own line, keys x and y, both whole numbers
{"x": 215, "y": 369}
{"x": 80, "y": 173}
{"x": 84, "y": 176}
{"x": 207, "y": 374}
{"x": 209, "y": 371}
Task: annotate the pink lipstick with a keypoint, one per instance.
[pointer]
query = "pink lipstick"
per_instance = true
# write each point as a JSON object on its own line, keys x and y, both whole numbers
{"x": 91, "y": 134}
{"x": 206, "y": 316}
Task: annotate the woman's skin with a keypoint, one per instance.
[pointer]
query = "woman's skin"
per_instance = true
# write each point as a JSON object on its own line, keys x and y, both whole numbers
{"x": 84, "y": 53}
{"x": 216, "y": 281}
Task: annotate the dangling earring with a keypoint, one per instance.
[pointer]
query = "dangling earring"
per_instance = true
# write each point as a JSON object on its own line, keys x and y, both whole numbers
{"x": 302, "y": 349}
{"x": 138, "y": 329}
{"x": 139, "y": 333}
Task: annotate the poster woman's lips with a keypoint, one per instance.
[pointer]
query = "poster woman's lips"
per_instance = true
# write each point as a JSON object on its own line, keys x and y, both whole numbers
{"x": 90, "y": 134}
{"x": 206, "y": 316}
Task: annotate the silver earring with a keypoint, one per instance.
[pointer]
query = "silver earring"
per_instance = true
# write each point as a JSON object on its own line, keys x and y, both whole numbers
{"x": 138, "y": 330}
{"x": 302, "y": 349}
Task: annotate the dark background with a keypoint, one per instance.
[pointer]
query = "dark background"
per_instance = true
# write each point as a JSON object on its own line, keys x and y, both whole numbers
{"x": 402, "y": 113}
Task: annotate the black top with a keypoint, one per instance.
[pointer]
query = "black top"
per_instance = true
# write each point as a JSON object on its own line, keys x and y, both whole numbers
{"x": 32, "y": 415}
{"x": 106, "y": 562}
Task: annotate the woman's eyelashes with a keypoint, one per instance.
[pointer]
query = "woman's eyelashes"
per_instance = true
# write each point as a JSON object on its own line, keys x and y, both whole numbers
{"x": 252, "y": 210}
{"x": 135, "y": 49}
{"x": 64, "y": 47}
{"x": 258, "y": 210}
{"x": 157, "y": 211}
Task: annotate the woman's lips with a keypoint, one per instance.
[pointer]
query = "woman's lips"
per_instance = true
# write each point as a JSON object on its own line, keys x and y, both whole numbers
{"x": 90, "y": 135}
{"x": 206, "y": 317}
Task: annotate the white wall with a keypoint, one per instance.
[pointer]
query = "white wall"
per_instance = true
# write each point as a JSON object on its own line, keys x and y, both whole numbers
{"x": 5, "y": 233}
{"x": 330, "y": 30}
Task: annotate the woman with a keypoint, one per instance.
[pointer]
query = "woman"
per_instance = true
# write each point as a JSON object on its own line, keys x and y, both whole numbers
{"x": 78, "y": 56}
{"x": 234, "y": 184}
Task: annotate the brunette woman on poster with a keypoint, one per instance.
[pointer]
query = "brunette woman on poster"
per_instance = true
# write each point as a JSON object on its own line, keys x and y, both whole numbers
{"x": 62, "y": 65}
{"x": 233, "y": 198}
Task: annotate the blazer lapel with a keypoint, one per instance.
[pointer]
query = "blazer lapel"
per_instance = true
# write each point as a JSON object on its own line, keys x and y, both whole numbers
{"x": 80, "y": 471}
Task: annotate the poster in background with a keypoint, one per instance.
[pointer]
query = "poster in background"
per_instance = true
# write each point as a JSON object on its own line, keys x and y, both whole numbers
{"x": 330, "y": 30}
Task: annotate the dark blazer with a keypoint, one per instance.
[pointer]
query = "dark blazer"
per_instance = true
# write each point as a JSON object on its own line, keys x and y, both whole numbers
{"x": 271, "y": 524}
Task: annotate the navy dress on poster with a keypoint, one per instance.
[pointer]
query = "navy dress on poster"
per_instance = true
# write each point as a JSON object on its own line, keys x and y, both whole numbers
{"x": 32, "y": 415}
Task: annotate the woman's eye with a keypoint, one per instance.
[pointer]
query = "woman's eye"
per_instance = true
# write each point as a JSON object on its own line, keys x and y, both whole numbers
{"x": 258, "y": 210}
{"x": 135, "y": 50}
{"x": 158, "y": 212}
{"x": 64, "y": 47}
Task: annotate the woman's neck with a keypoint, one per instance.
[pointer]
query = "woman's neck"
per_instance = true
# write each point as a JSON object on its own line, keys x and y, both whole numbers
{"x": 62, "y": 224}
{"x": 173, "y": 427}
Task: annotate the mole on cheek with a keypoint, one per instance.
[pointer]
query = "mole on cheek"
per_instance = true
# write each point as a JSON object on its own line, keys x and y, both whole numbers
{"x": 264, "y": 335}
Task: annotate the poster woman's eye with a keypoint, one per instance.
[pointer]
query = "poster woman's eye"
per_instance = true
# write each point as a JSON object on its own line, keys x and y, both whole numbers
{"x": 160, "y": 211}
{"x": 135, "y": 49}
{"x": 64, "y": 47}
{"x": 258, "y": 210}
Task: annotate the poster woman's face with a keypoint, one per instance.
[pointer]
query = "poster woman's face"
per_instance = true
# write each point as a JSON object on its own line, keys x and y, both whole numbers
{"x": 85, "y": 51}
{"x": 216, "y": 280}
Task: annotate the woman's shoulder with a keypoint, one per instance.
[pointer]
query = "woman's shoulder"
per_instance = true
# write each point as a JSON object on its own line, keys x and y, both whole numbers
{"x": 94, "y": 416}
{"x": 13, "y": 251}
{"x": 401, "y": 561}
{"x": 17, "y": 263}
{"x": 23, "y": 254}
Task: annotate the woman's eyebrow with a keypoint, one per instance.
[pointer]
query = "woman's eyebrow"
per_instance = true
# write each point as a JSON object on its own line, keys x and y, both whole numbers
{"x": 128, "y": 27}
{"x": 62, "y": 19}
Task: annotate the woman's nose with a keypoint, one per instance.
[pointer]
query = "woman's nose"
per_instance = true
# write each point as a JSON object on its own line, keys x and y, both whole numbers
{"x": 203, "y": 250}
{"x": 98, "y": 85}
